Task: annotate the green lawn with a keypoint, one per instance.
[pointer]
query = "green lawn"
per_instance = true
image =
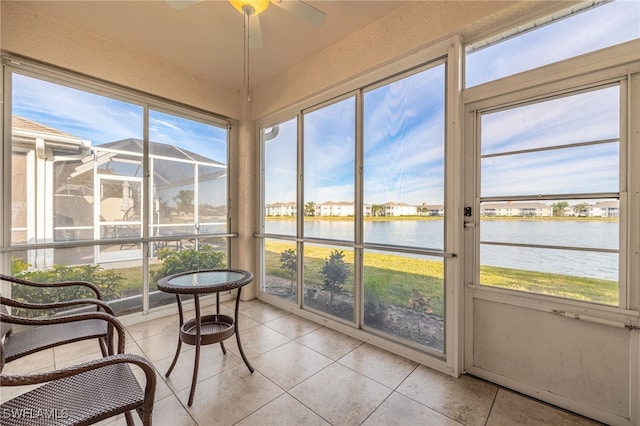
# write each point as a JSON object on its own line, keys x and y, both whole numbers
{"x": 406, "y": 274}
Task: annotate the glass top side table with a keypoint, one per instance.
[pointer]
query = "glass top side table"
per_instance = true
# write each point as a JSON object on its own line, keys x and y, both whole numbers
{"x": 207, "y": 329}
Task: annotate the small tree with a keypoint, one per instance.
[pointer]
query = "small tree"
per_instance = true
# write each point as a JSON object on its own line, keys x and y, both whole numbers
{"x": 289, "y": 263}
{"x": 335, "y": 272}
{"x": 184, "y": 201}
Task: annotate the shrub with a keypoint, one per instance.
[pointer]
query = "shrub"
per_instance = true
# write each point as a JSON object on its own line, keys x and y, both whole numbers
{"x": 107, "y": 281}
{"x": 335, "y": 272}
{"x": 174, "y": 261}
{"x": 289, "y": 263}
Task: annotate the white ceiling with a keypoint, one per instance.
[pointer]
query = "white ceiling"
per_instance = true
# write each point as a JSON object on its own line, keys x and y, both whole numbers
{"x": 207, "y": 37}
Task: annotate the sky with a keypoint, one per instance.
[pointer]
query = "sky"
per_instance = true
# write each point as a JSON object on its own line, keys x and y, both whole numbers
{"x": 403, "y": 125}
{"x": 100, "y": 119}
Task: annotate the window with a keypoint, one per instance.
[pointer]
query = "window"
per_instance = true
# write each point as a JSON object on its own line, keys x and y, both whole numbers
{"x": 329, "y": 167}
{"x": 280, "y": 178}
{"x": 404, "y": 188}
{"x": 372, "y": 208}
{"x": 555, "y": 38}
{"x": 78, "y": 186}
{"x": 329, "y": 203}
{"x": 550, "y": 196}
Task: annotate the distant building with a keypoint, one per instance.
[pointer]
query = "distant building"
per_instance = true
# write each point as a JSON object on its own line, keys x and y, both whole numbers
{"x": 516, "y": 210}
{"x": 604, "y": 209}
{"x": 281, "y": 209}
{"x": 335, "y": 208}
{"x": 430, "y": 210}
{"x": 399, "y": 209}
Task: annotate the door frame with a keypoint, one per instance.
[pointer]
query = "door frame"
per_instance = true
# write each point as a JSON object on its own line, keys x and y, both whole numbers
{"x": 619, "y": 63}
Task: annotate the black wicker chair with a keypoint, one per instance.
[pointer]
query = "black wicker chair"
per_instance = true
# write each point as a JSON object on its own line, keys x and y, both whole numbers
{"x": 82, "y": 394}
{"x": 34, "y": 338}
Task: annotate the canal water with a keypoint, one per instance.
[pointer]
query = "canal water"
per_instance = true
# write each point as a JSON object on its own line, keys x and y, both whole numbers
{"x": 430, "y": 234}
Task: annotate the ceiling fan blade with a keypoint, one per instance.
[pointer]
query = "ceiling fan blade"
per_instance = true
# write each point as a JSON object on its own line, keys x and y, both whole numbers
{"x": 181, "y": 4}
{"x": 255, "y": 33}
{"x": 303, "y": 10}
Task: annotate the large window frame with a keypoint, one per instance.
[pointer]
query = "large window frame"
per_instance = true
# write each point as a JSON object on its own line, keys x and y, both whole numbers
{"x": 447, "y": 53}
{"x": 143, "y": 241}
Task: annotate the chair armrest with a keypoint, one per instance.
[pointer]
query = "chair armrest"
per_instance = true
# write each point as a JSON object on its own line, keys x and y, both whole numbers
{"x": 86, "y": 284}
{"x": 76, "y": 302}
{"x": 110, "y": 319}
{"x": 47, "y": 376}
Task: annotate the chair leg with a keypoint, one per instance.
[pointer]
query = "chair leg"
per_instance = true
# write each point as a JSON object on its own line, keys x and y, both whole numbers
{"x": 103, "y": 347}
{"x": 129, "y": 418}
{"x": 145, "y": 416}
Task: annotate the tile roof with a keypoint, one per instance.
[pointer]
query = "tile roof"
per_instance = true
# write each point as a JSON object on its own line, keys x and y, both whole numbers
{"x": 18, "y": 122}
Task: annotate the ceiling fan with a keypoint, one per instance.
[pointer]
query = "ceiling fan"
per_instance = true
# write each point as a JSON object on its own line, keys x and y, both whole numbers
{"x": 253, "y": 8}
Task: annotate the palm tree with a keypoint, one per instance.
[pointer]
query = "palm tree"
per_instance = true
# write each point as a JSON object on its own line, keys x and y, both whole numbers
{"x": 377, "y": 209}
{"x": 580, "y": 209}
{"x": 310, "y": 208}
{"x": 558, "y": 208}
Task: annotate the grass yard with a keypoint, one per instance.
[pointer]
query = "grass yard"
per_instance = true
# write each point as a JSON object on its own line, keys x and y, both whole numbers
{"x": 406, "y": 274}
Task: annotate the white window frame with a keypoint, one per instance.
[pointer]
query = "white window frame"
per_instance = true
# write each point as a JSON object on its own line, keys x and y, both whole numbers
{"x": 451, "y": 52}
{"x": 23, "y": 66}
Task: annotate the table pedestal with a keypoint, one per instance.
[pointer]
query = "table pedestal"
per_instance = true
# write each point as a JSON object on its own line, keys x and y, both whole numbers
{"x": 205, "y": 330}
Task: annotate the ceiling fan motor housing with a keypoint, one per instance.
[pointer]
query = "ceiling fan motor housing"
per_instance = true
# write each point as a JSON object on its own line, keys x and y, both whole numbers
{"x": 250, "y": 7}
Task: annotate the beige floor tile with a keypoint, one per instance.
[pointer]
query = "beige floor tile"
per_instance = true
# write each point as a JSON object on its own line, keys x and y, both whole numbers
{"x": 331, "y": 379}
{"x": 244, "y": 304}
{"x": 283, "y": 411}
{"x": 229, "y": 397}
{"x": 292, "y": 326}
{"x": 212, "y": 362}
{"x": 244, "y": 322}
{"x": 154, "y": 327}
{"x": 340, "y": 395}
{"x": 379, "y": 365}
{"x": 78, "y": 350}
{"x": 512, "y": 409}
{"x": 170, "y": 411}
{"x": 162, "y": 345}
{"x": 262, "y": 312}
{"x": 329, "y": 343}
{"x": 166, "y": 412}
{"x": 65, "y": 361}
{"x": 290, "y": 364}
{"x": 39, "y": 361}
{"x": 464, "y": 399}
{"x": 256, "y": 341}
{"x": 398, "y": 410}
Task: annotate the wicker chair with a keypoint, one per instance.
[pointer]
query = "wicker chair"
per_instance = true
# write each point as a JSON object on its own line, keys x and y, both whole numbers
{"x": 27, "y": 340}
{"x": 82, "y": 394}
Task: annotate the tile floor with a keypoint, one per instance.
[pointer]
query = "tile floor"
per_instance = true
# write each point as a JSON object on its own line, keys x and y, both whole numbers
{"x": 305, "y": 374}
